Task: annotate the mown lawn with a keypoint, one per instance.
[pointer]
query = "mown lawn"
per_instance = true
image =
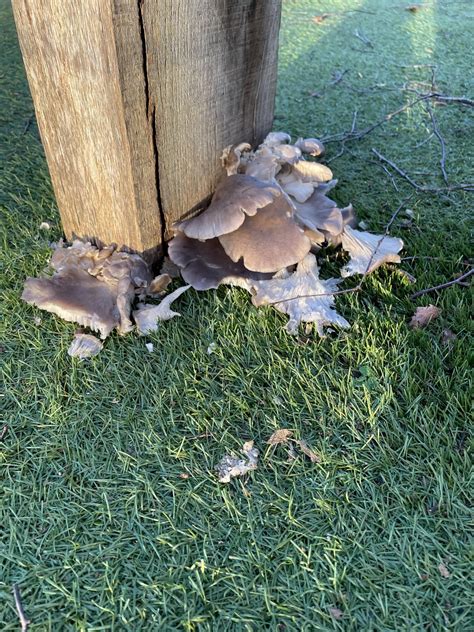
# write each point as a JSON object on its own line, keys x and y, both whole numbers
{"x": 100, "y": 527}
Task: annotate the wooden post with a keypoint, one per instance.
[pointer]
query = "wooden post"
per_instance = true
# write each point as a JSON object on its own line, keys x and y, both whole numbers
{"x": 135, "y": 100}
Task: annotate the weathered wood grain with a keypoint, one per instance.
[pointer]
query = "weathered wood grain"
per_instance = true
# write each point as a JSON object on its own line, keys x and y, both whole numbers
{"x": 135, "y": 100}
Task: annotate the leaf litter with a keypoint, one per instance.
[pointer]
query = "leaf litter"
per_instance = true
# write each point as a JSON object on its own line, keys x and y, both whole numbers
{"x": 232, "y": 466}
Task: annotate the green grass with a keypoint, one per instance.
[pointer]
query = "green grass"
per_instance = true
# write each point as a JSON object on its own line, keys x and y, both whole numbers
{"x": 97, "y": 526}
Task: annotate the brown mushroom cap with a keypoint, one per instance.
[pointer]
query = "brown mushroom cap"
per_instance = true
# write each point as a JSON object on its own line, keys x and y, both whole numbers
{"x": 268, "y": 241}
{"x": 75, "y": 296}
{"x": 236, "y": 197}
{"x": 205, "y": 265}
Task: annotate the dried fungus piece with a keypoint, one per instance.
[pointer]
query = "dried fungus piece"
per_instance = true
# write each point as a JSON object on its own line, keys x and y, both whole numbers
{"x": 368, "y": 251}
{"x": 268, "y": 241}
{"x": 236, "y": 197}
{"x": 85, "y": 346}
{"x": 282, "y": 435}
{"x": 147, "y": 317}
{"x": 303, "y": 296}
{"x": 205, "y": 265}
{"x": 158, "y": 284}
{"x": 231, "y": 157}
{"x": 232, "y": 466}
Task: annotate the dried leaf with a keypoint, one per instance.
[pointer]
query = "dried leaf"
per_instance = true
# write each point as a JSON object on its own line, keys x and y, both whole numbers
{"x": 85, "y": 346}
{"x": 303, "y": 296}
{"x": 318, "y": 19}
{"x": 231, "y": 466}
{"x": 147, "y": 317}
{"x": 443, "y": 570}
{"x": 280, "y": 436}
{"x": 336, "y": 613}
{"x": 368, "y": 251}
{"x": 315, "y": 458}
{"x": 423, "y": 316}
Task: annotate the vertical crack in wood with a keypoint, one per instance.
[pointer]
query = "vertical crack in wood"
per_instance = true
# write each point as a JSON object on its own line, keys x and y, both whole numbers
{"x": 151, "y": 116}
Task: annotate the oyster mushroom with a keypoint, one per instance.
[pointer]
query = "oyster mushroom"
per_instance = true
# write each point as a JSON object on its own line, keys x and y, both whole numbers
{"x": 205, "y": 265}
{"x": 147, "y": 317}
{"x": 311, "y": 171}
{"x": 231, "y": 157}
{"x": 320, "y": 213}
{"x": 268, "y": 241}
{"x": 77, "y": 297}
{"x": 235, "y": 198}
{"x": 311, "y": 146}
{"x": 276, "y": 138}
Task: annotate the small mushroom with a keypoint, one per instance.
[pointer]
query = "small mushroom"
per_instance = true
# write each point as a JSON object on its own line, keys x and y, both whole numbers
{"x": 235, "y": 198}
{"x": 276, "y": 138}
{"x": 311, "y": 171}
{"x": 268, "y": 241}
{"x": 205, "y": 265}
{"x": 263, "y": 165}
{"x": 311, "y": 146}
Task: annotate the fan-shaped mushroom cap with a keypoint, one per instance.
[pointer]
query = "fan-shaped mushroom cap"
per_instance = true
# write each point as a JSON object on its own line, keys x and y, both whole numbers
{"x": 311, "y": 171}
{"x": 235, "y": 197}
{"x": 276, "y": 138}
{"x": 287, "y": 154}
{"x": 263, "y": 165}
{"x": 84, "y": 346}
{"x": 75, "y": 296}
{"x": 268, "y": 241}
{"x": 311, "y": 146}
{"x": 298, "y": 190}
{"x": 320, "y": 213}
{"x": 348, "y": 216}
{"x": 205, "y": 265}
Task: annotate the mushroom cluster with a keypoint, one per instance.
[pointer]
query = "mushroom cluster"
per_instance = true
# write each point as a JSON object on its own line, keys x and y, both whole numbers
{"x": 269, "y": 214}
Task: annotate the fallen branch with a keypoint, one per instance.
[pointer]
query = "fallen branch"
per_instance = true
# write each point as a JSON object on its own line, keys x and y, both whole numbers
{"x": 19, "y": 608}
{"x": 420, "y": 187}
{"x": 438, "y": 135}
{"x": 442, "y": 286}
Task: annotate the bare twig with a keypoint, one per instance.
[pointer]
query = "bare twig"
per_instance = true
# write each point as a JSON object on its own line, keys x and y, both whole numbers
{"x": 419, "y": 187}
{"x": 19, "y": 608}
{"x": 441, "y": 286}
{"x": 438, "y": 135}
{"x": 363, "y": 38}
{"x": 27, "y": 124}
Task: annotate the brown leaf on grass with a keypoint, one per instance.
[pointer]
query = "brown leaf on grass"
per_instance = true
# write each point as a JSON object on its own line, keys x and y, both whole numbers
{"x": 413, "y": 8}
{"x": 280, "y": 436}
{"x": 318, "y": 19}
{"x": 336, "y": 613}
{"x": 443, "y": 570}
{"x": 303, "y": 446}
{"x": 423, "y": 316}
{"x": 231, "y": 466}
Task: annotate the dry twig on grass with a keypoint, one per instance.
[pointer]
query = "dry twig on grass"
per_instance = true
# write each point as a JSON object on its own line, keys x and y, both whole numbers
{"x": 442, "y": 286}
{"x": 19, "y": 608}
